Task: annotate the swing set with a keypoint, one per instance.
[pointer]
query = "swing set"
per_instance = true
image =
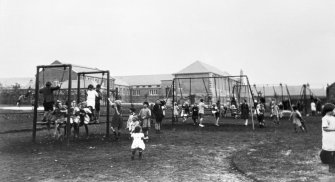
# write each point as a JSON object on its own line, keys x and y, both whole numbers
{"x": 66, "y": 68}
{"x": 230, "y": 90}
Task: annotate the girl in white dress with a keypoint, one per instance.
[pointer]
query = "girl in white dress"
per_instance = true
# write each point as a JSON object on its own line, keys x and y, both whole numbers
{"x": 138, "y": 143}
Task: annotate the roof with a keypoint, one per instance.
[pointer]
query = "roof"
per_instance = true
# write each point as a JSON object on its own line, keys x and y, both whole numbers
{"x": 200, "y": 67}
{"x": 293, "y": 90}
{"x": 79, "y": 68}
{"x": 24, "y": 82}
{"x": 143, "y": 79}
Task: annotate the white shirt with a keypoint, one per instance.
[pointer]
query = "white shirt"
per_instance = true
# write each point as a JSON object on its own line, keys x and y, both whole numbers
{"x": 91, "y": 94}
{"x": 328, "y": 137}
{"x": 201, "y": 107}
{"x": 313, "y": 107}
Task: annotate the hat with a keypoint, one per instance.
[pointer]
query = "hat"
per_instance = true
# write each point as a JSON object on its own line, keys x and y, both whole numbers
{"x": 48, "y": 84}
{"x": 327, "y": 108}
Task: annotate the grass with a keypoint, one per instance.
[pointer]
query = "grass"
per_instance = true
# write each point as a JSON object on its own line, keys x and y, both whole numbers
{"x": 183, "y": 152}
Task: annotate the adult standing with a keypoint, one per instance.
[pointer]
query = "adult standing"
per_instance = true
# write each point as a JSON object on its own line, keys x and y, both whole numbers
{"x": 245, "y": 112}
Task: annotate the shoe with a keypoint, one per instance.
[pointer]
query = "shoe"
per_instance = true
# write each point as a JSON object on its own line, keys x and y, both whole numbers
{"x": 201, "y": 125}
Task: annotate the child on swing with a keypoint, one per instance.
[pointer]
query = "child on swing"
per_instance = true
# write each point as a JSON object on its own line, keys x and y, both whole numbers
{"x": 91, "y": 95}
{"x": 48, "y": 101}
{"x": 60, "y": 116}
{"x": 138, "y": 144}
{"x": 145, "y": 116}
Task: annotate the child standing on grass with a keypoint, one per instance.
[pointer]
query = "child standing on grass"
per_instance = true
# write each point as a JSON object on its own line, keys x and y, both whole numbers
{"x": 296, "y": 118}
{"x": 145, "y": 117}
{"x": 195, "y": 114}
{"x": 138, "y": 144}
{"x": 216, "y": 114}
{"x": 201, "y": 107}
{"x": 134, "y": 122}
{"x": 158, "y": 114}
{"x": 117, "y": 118}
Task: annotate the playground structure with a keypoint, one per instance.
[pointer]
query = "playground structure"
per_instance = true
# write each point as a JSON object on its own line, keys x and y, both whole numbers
{"x": 66, "y": 68}
{"x": 221, "y": 90}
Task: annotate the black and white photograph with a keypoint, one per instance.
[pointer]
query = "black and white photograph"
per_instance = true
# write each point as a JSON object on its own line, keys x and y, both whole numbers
{"x": 167, "y": 90}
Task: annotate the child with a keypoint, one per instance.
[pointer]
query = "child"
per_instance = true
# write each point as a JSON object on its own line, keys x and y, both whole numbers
{"x": 328, "y": 134}
{"x": 275, "y": 112}
{"x": 132, "y": 125}
{"x": 84, "y": 116}
{"x": 145, "y": 117}
{"x": 138, "y": 143}
{"x": 175, "y": 112}
{"x": 195, "y": 114}
{"x": 19, "y": 100}
{"x": 48, "y": 101}
{"x": 216, "y": 114}
{"x": 97, "y": 103}
{"x": 130, "y": 118}
{"x": 117, "y": 120}
{"x": 59, "y": 114}
{"x": 245, "y": 112}
{"x": 75, "y": 118}
{"x": 296, "y": 118}
{"x": 201, "y": 107}
{"x": 185, "y": 111}
{"x": 158, "y": 114}
{"x": 90, "y": 99}
{"x": 260, "y": 114}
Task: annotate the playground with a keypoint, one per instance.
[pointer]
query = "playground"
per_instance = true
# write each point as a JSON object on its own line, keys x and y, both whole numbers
{"x": 182, "y": 152}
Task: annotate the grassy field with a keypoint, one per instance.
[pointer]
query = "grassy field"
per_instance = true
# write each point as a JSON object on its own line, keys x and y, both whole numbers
{"x": 182, "y": 152}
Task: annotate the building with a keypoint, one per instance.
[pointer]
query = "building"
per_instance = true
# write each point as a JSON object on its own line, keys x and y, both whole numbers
{"x": 331, "y": 92}
{"x": 193, "y": 83}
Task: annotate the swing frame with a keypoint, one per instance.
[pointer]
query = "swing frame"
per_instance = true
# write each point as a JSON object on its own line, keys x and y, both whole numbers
{"x": 79, "y": 74}
{"x": 65, "y": 66}
{"x": 239, "y": 83}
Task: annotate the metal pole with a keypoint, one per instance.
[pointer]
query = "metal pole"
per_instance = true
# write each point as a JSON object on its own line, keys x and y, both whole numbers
{"x": 172, "y": 100}
{"x": 36, "y": 103}
{"x": 107, "y": 119}
{"x": 68, "y": 129}
{"x": 78, "y": 88}
{"x": 252, "y": 96}
{"x": 305, "y": 99}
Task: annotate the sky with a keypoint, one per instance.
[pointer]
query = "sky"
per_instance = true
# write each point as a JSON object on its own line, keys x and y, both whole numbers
{"x": 286, "y": 41}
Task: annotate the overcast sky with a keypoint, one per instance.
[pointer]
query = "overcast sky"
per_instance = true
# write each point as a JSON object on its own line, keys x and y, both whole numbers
{"x": 288, "y": 41}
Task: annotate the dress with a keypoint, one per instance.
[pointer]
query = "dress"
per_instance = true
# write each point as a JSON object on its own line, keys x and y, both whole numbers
{"x": 296, "y": 118}
{"x": 91, "y": 95}
{"x": 158, "y": 113}
{"x": 145, "y": 115}
{"x": 117, "y": 118}
{"x": 137, "y": 141}
{"x": 244, "y": 111}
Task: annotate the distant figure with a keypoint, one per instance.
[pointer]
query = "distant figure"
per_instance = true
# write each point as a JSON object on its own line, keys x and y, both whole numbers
{"x": 201, "y": 107}
{"x": 216, "y": 114}
{"x": 274, "y": 112}
{"x": 19, "y": 100}
{"x": 297, "y": 119}
{"x": 48, "y": 99}
{"x": 195, "y": 114}
{"x": 175, "y": 112}
{"x": 313, "y": 108}
{"x": 260, "y": 110}
{"x": 97, "y": 103}
{"x": 245, "y": 112}
{"x": 158, "y": 114}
